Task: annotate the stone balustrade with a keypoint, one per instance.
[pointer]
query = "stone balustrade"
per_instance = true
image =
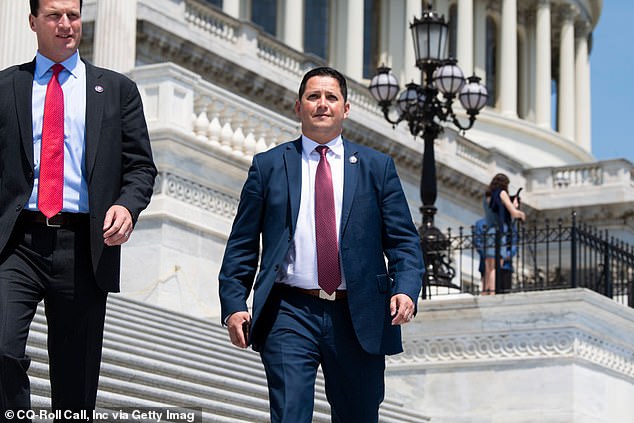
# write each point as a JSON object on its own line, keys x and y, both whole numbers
{"x": 598, "y": 183}
{"x": 175, "y": 98}
{"x": 217, "y": 25}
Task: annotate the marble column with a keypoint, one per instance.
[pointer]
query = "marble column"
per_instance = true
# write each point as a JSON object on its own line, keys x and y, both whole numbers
{"x": 464, "y": 48}
{"x": 543, "y": 59}
{"x": 528, "y": 84}
{"x": 115, "y": 34}
{"x": 479, "y": 40}
{"x": 508, "y": 62}
{"x": 523, "y": 71}
{"x": 239, "y": 9}
{"x": 566, "y": 95}
{"x": 347, "y": 27}
{"x": 583, "y": 129}
{"x": 232, "y": 8}
{"x": 394, "y": 31}
{"x": 442, "y": 7}
{"x": 14, "y": 26}
{"x": 292, "y": 23}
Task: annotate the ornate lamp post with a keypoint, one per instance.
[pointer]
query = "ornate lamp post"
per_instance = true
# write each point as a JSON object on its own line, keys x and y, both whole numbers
{"x": 422, "y": 107}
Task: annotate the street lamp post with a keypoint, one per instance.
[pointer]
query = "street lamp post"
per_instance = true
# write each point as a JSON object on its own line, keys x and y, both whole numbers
{"x": 424, "y": 109}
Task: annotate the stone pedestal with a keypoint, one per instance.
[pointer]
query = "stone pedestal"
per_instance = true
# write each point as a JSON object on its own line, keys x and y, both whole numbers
{"x": 548, "y": 357}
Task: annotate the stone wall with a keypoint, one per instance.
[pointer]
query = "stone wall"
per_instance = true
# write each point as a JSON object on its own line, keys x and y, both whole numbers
{"x": 547, "y": 357}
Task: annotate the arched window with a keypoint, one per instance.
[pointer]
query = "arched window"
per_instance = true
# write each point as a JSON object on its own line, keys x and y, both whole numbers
{"x": 491, "y": 60}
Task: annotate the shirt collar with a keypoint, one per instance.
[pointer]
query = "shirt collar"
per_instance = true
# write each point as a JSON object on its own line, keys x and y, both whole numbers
{"x": 335, "y": 146}
{"x": 72, "y": 65}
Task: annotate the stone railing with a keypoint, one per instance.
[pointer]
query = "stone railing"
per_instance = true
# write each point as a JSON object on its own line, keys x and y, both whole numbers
{"x": 245, "y": 37}
{"x": 281, "y": 56}
{"x": 577, "y": 176}
{"x": 175, "y": 98}
{"x": 205, "y": 18}
{"x": 600, "y": 182}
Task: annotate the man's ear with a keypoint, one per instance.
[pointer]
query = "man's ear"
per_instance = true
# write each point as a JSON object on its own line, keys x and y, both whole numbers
{"x": 297, "y": 108}
{"x": 32, "y": 22}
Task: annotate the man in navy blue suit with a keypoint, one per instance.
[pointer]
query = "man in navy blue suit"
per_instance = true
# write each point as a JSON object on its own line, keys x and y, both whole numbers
{"x": 327, "y": 213}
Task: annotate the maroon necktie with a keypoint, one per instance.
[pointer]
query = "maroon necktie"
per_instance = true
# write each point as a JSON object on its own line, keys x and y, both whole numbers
{"x": 328, "y": 271}
{"x": 51, "y": 184}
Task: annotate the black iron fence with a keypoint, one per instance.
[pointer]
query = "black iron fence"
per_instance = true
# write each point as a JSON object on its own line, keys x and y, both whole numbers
{"x": 532, "y": 257}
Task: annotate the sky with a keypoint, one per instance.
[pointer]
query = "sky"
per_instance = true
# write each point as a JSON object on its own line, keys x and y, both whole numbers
{"x": 612, "y": 76}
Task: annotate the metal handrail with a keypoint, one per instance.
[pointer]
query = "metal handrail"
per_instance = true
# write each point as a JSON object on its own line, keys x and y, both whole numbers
{"x": 544, "y": 257}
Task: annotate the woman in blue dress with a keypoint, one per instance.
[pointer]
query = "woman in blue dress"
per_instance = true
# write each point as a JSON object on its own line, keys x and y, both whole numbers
{"x": 499, "y": 210}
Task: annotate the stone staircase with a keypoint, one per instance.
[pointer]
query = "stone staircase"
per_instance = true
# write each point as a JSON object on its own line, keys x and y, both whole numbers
{"x": 154, "y": 358}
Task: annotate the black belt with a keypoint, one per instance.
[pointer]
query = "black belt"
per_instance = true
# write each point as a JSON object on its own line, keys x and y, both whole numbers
{"x": 319, "y": 293}
{"x": 60, "y": 220}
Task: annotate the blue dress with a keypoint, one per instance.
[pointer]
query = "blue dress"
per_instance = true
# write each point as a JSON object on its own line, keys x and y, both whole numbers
{"x": 494, "y": 219}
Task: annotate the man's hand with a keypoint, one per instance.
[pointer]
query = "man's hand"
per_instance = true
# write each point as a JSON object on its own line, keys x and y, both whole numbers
{"x": 117, "y": 226}
{"x": 401, "y": 309}
{"x": 238, "y": 325}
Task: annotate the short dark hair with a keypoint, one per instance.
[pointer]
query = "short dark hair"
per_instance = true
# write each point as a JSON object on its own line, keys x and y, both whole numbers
{"x": 35, "y": 6}
{"x": 325, "y": 71}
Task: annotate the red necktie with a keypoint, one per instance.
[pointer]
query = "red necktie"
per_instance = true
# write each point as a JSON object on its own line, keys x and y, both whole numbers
{"x": 328, "y": 271}
{"x": 51, "y": 184}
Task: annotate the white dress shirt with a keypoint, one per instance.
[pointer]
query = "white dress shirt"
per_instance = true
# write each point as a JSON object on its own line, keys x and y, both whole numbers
{"x": 301, "y": 262}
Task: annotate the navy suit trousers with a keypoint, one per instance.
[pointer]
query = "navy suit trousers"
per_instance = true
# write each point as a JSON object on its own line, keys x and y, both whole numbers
{"x": 308, "y": 331}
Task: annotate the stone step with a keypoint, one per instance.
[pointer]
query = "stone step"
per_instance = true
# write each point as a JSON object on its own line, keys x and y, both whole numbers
{"x": 157, "y": 358}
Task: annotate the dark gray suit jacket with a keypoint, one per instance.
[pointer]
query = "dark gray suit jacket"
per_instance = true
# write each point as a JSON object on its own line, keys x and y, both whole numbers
{"x": 119, "y": 165}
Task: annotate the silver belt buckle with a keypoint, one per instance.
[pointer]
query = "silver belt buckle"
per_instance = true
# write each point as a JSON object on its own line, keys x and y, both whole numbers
{"x": 52, "y": 225}
{"x": 324, "y": 296}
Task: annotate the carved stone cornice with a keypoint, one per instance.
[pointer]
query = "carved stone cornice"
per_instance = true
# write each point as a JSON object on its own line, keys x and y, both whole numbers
{"x": 569, "y": 326}
{"x": 498, "y": 348}
{"x": 195, "y": 194}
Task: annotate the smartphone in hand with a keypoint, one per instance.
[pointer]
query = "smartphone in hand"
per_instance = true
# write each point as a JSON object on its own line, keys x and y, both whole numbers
{"x": 245, "y": 331}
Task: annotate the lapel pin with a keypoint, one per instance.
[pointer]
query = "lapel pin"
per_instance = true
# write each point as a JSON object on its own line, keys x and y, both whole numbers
{"x": 99, "y": 88}
{"x": 353, "y": 159}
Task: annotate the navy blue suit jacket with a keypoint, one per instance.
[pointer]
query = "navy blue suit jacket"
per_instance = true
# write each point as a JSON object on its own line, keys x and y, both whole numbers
{"x": 375, "y": 223}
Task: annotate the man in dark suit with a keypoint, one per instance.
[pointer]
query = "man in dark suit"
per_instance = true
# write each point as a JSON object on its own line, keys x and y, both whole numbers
{"x": 327, "y": 212}
{"x": 76, "y": 170}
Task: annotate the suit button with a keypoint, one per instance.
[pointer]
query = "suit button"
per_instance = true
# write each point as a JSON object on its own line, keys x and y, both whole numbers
{"x": 277, "y": 267}
{"x": 30, "y": 175}
{"x": 18, "y": 207}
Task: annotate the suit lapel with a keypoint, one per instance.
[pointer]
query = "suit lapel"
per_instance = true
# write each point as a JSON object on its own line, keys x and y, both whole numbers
{"x": 350, "y": 177}
{"x": 22, "y": 84}
{"x": 96, "y": 91}
{"x": 293, "y": 161}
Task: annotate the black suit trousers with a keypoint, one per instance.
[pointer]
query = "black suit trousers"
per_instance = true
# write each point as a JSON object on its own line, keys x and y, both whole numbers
{"x": 54, "y": 265}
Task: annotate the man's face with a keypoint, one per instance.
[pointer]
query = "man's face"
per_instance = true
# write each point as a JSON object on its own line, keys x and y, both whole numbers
{"x": 58, "y": 28}
{"x": 322, "y": 109}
